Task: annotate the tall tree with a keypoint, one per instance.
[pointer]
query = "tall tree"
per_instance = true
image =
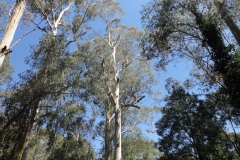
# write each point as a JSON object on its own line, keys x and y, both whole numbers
{"x": 21, "y": 108}
{"x": 173, "y": 32}
{"x": 226, "y": 15}
{"x": 112, "y": 61}
{"x": 49, "y": 78}
{"x": 11, "y": 27}
{"x": 54, "y": 13}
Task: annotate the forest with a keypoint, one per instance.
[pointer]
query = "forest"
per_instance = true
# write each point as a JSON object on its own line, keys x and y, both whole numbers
{"x": 76, "y": 83}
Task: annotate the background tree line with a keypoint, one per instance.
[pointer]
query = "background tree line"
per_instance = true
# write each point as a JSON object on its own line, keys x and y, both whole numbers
{"x": 200, "y": 125}
{"x": 81, "y": 86}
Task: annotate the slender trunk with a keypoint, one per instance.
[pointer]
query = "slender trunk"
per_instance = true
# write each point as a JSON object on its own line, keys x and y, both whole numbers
{"x": 56, "y": 129}
{"x": 25, "y": 153}
{"x": 107, "y": 138}
{"x": 118, "y": 143}
{"x": 11, "y": 27}
{"x": 228, "y": 20}
{"x": 20, "y": 146}
{"x": 118, "y": 127}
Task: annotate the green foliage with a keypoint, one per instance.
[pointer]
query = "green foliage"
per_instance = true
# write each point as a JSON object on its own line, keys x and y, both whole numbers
{"x": 69, "y": 149}
{"x": 4, "y": 9}
{"x": 188, "y": 129}
{"x": 41, "y": 90}
{"x": 6, "y": 71}
{"x": 226, "y": 63}
{"x": 135, "y": 146}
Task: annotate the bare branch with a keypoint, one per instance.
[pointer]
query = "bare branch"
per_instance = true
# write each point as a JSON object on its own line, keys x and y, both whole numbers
{"x": 61, "y": 14}
{"x": 10, "y": 11}
{"x": 111, "y": 118}
{"x": 43, "y": 13}
{"x": 101, "y": 37}
{"x": 133, "y": 104}
{"x": 40, "y": 117}
{"x": 22, "y": 37}
{"x": 101, "y": 135}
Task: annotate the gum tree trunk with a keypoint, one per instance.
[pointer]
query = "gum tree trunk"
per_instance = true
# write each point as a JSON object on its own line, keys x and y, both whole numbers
{"x": 11, "y": 27}
{"x": 107, "y": 138}
{"x": 117, "y": 109}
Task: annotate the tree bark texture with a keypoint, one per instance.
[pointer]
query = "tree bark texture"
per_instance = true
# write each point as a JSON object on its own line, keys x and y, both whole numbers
{"x": 11, "y": 27}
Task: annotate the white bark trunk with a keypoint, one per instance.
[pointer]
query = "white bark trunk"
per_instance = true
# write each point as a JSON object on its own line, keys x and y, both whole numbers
{"x": 11, "y": 27}
{"x": 118, "y": 127}
{"x": 118, "y": 138}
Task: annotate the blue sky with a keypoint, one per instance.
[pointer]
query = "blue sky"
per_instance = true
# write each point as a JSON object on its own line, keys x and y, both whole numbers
{"x": 132, "y": 17}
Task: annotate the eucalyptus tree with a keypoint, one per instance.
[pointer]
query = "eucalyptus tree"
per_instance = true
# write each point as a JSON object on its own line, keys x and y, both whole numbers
{"x": 54, "y": 71}
{"x": 51, "y": 16}
{"x": 118, "y": 77}
{"x": 173, "y": 32}
{"x": 136, "y": 146}
{"x": 188, "y": 129}
{"x": 228, "y": 19}
{"x": 23, "y": 103}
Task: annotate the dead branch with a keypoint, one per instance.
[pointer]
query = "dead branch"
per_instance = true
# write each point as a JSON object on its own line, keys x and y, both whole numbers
{"x": 23, "y": 37}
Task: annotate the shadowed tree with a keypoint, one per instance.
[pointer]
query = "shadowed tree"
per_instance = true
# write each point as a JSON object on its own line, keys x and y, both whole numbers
{"x": 188, "y": 129}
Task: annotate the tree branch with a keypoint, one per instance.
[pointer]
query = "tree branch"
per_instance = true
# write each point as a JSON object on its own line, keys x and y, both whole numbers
{"x": 101, "y": 37}
{"x": 133, "y": 104}
{"x": 111, "y": 118}
{"x": 43, "y": 13}
{"x": 23, "y": 37}
{"x": 101, "y": 135}
{"x": 61, "y": 14}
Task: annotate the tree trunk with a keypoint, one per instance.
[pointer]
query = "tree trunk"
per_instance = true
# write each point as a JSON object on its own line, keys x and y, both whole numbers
{"x": 25, "y": 153}
{"x": 118, "y": 127}
{"x": 19, "y": 147}
{"x": 228, "y": 20}
{"x": 118, "y": 143}
{"x": 107, "y": 139}
{"x": 11, "y": 27}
